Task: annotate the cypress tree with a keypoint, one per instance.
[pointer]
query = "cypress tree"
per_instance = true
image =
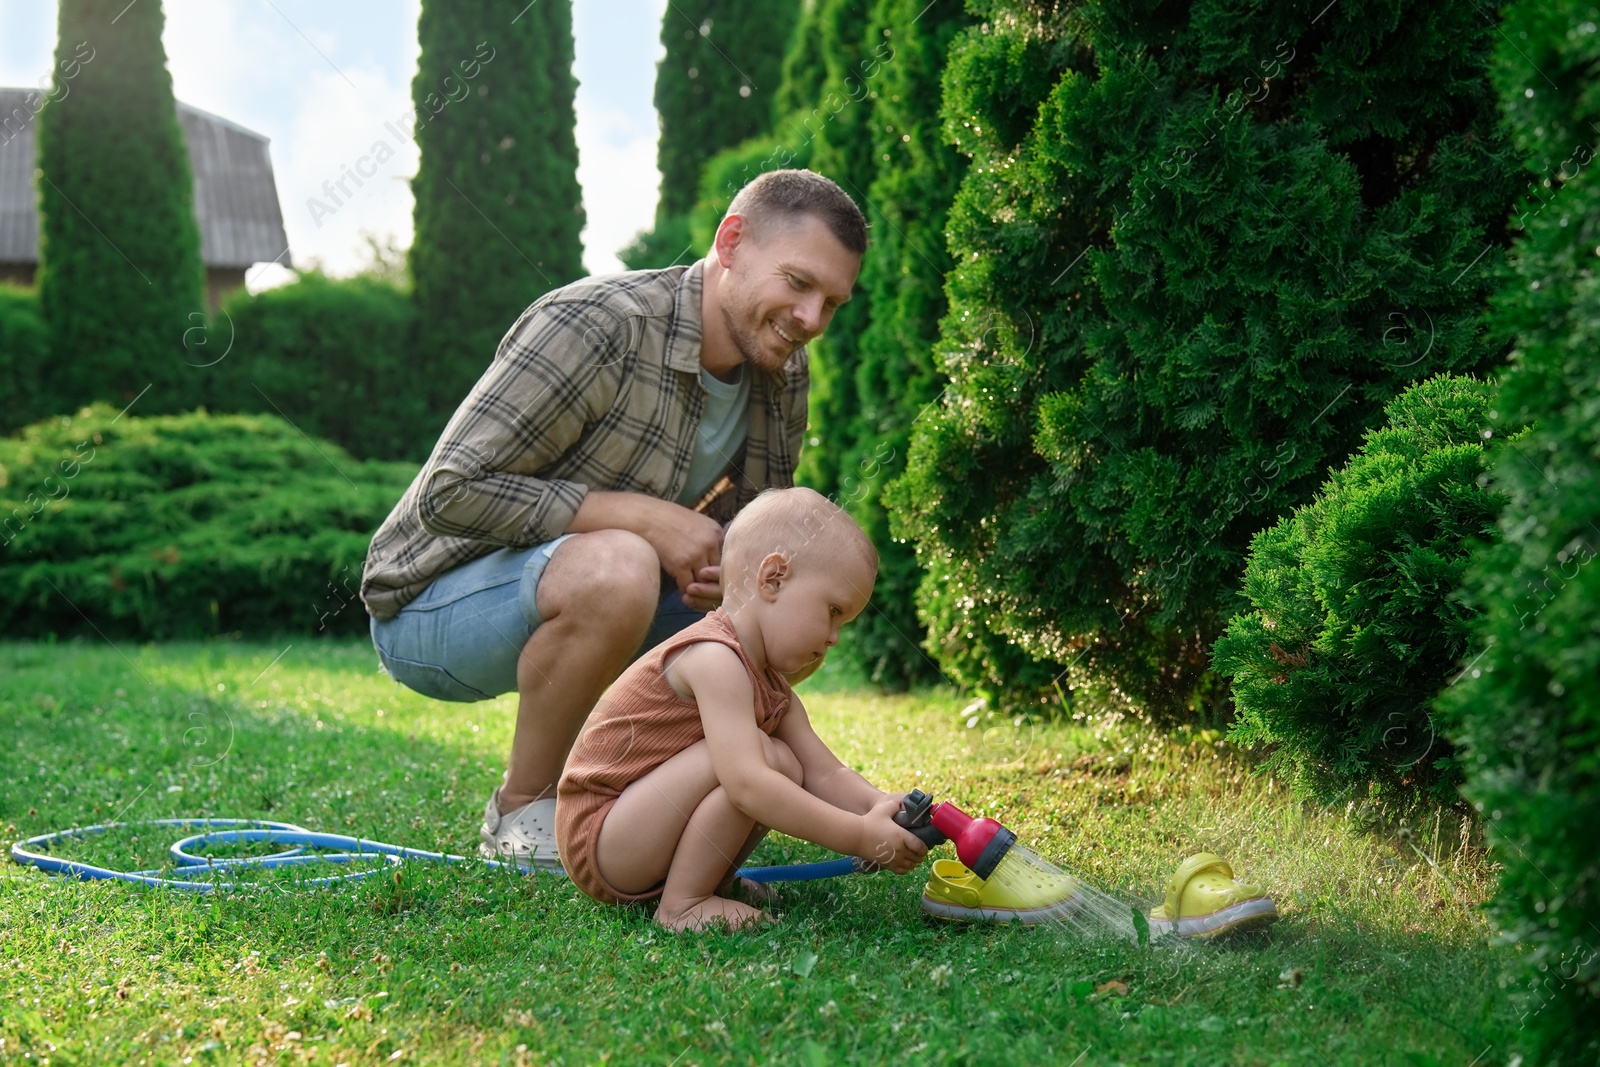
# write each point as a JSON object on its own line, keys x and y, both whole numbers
{"x": 838, "y": 126}
{"x": 1357, "y": 620}
{"x": 1526, "y": 701}
{"x": 120, "y": 274}
{"x": 825, "y": 102}
{"x": 498, "y": 206}
{"x": 1196, "y": 254}
{"x": 804, "y": 69}
{"x": 859, "y": 103}
{"x": 714, "y": 89}
{"x": 916, "y": 174}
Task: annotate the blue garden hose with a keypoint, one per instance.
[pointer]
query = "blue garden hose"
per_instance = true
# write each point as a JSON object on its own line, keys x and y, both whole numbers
{"x": 806, "y": 872}
{"x": 34, "y": 852}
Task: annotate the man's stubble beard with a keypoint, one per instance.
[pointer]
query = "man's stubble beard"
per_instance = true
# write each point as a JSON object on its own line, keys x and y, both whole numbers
{"x": 747, "y": 342}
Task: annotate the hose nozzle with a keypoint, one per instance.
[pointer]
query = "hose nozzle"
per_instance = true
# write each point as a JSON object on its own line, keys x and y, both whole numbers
{"x": 980, "y": 843}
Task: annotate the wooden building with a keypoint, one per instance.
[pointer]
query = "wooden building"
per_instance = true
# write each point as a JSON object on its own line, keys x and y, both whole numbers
{"x": 235, "y": 201}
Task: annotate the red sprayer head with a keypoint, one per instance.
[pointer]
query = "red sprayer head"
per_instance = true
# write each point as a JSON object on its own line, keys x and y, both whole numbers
{"x": 980, "y": 843}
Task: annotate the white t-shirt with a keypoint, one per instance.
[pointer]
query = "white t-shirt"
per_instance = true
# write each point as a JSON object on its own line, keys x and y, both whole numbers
{"x": 724, "y": 424}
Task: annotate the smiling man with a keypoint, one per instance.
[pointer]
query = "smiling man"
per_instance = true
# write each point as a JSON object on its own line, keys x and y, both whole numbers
{"x": 571, "y": 514}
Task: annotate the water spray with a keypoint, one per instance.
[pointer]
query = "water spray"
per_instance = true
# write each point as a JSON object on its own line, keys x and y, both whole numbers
{"x": 998, "y": 880}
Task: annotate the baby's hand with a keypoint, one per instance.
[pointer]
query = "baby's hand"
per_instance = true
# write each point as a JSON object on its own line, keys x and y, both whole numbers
{"x": 886, "y": 843}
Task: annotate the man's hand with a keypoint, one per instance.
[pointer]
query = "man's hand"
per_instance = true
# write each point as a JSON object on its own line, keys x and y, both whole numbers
{"x": 689, "y": 546}
{"x": 705, "y": 592}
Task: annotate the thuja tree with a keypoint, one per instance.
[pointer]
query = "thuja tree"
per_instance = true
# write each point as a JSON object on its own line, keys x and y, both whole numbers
{"x": 825, "y": 99}
{"x": 715, "y": 88}
{"x": 1527, "y": 708}
{"x": 1194, "y": 258}
{"x": 901, "y": 291}
{"x": 498, "y": 207}
{"x": 861, "y": 87}
{"x": 1356, "y": 622}
{"x": 120, "y": 274}
{"x": 839, "y": 125}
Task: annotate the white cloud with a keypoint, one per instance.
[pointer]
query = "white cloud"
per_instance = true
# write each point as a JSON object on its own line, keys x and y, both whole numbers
{"x": 346, "y": 168}
{"x": 324, "y": 116}
{"x": 617, "y": 168}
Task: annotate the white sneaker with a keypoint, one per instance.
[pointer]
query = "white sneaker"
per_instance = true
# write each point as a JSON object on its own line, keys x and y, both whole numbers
{"x": 526, "y": 837}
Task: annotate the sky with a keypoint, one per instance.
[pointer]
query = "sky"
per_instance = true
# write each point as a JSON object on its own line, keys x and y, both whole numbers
{"x": 322, "y": 78}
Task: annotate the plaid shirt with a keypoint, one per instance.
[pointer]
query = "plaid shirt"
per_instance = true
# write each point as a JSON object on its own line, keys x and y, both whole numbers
{"x": 597, "y": 385}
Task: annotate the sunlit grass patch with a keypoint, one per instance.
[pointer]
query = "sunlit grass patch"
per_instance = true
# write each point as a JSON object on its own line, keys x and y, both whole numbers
{"x": 1379, "y": 957}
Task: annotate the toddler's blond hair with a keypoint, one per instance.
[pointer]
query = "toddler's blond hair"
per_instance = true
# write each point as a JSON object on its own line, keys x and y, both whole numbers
{"x": 801, "y": 523}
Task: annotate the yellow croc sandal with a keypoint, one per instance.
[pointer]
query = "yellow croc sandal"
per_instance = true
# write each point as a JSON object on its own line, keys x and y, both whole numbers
{"x": 1203, "y": 900}
{"x": 957, "y": 894}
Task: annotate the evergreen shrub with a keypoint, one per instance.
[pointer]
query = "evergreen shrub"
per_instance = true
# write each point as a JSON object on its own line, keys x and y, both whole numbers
{"x": 667, "y": 244}
{"x": 1355, "y": 624}
{"x": 914, "y": 175}
{"x": 836, "y": 124}
{"x": 24, "y": 358}
{"x": 120, "y": 277}
{"x": 715, "y": 87}
{"x": 1526, "y": 714}
{"x": 859, "y": 104}
{"x": 184, "y": 525}
{"x": 330, "y": 356}
{"x": 498, "y": 207}
{"x": 1197, "y": 251}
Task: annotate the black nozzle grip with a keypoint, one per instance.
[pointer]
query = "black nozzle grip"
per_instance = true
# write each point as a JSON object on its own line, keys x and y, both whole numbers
{"x": 915, "y": 814}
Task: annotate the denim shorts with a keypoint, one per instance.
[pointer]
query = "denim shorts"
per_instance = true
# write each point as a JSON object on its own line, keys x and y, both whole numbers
{"x": 460, "y": 639}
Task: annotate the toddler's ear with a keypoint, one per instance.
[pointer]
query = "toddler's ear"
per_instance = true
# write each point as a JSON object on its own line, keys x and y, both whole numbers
{"x": 773, "y": 572}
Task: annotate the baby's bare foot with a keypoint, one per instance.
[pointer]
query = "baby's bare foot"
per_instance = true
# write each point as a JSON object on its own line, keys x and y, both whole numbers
{"x": 712, "y": 911}
{"x": 752, "y": 892}
{"x": 749, "y": 891}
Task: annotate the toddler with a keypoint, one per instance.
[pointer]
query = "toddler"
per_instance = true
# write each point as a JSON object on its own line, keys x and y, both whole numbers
{"x": 701, "y": 746}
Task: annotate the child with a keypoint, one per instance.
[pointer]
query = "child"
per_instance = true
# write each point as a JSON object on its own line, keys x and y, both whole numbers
{"x": 701, "y": 746}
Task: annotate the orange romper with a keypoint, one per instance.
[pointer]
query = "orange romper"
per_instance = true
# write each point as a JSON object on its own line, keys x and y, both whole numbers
{"x": 639, "y": 724}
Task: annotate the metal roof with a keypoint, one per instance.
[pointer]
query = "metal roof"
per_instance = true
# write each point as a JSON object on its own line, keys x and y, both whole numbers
{"x": 235, "y": 198}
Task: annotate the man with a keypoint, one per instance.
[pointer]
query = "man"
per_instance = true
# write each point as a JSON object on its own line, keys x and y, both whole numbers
{"x": 571, "y": 514}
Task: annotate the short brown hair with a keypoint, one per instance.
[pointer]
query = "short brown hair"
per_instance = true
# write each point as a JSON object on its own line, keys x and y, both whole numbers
{"x": 789, "y": 194}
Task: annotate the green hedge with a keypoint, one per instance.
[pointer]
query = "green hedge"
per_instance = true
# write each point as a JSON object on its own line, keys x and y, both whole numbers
{"x": 1197, "y": 251}
{"x": 666, "y": 245}
{"x": 24, "y": 356}
{"x": 1527, "y": 713}
{"x": 914, "y": 178}
{"x": 184, "y": 525}
{"x": 330, "y": 355}
{"x": 1356, "y": 626}
{"x": 836, "y": 123}
{"x": 859, "y": 103}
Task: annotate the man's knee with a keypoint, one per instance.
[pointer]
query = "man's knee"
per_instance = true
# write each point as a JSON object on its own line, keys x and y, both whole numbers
{"x": 614, "y": 570}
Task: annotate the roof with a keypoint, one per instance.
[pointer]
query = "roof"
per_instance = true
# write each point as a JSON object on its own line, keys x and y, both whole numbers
{"x": 235, "y": 197}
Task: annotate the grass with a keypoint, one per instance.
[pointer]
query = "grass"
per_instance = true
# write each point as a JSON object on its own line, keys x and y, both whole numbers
{"x": 1380, "y": 956}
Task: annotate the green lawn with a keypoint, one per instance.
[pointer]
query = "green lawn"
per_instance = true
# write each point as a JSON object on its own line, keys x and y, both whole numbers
{"x": 1380, "y": 956}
